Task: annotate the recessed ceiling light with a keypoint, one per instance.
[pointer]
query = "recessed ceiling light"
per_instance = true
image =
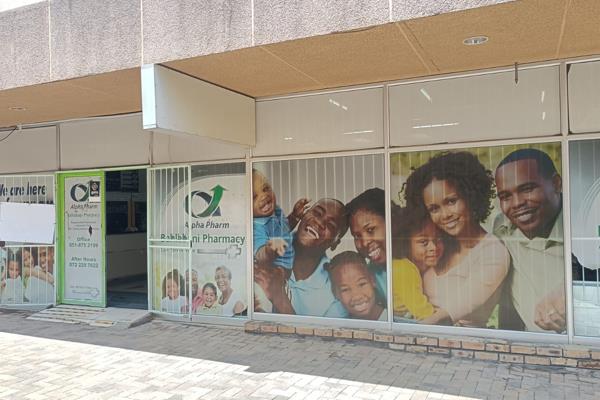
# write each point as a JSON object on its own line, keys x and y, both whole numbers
{"x": 475, "y": 40}
{"x": 17, "y": 108}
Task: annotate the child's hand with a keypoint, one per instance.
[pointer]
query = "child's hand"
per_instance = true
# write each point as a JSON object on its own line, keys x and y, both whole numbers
{"x": 276, "y": 247}
{"x": 2, "y": 284}
{"x": 300, "y": 207}
{"x": 270, "y": 251}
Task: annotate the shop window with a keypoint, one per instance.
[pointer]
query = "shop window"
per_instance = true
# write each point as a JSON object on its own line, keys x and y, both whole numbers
{"x": 26, "y": 269}
{"x": 476, "y": 108}
{"x": 584, "y": 97}
{"x": 584, "y": 159}
{"x": 203, "y": 274}
{"x": 478, "y": 238}
{"x": 334, "y": 121}
{"x": 319, "y": 235}
{"x": 219, "y": 259}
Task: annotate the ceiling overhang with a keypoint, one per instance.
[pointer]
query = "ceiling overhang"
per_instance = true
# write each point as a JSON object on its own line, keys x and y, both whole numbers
{"x": 521, "y": 31}
{"x": 111, "y": 93}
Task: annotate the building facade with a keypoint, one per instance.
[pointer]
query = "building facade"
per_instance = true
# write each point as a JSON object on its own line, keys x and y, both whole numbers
{"x": 405, "y": 166}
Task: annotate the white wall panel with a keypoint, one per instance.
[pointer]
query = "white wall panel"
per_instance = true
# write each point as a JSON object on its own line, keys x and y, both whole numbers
{"x": 475, "y": 108}
{"x": 29, "y": 150}
{"x": 347, "y": 120}
{"x": 189, "y": 148}
{"x": 106, "y": 142}
{"x": 584, "y": 97}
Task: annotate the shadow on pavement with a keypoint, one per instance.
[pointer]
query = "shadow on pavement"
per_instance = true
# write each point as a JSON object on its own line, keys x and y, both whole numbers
{"x": 330, "y": 358}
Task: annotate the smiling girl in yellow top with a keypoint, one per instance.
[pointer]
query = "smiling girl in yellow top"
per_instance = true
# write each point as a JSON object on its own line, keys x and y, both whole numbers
{"x": 418, "y": 246}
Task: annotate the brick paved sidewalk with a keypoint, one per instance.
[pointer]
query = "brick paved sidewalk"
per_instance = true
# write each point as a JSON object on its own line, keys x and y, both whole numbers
{"x": 163, "y": 360}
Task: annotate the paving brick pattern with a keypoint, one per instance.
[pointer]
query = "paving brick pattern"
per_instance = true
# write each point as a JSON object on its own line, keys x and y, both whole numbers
{"x": 165, "y": 360}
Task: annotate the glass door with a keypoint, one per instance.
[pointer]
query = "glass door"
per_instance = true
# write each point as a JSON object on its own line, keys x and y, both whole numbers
{"x": 169, "y": 239}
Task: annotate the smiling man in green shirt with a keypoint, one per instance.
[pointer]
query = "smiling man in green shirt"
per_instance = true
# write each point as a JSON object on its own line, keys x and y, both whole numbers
{"x": 530, "y": 194}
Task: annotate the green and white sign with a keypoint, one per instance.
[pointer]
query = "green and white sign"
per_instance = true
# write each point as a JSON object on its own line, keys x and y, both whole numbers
{"x": 215, "y": 204}
{"x": 82, "y": 230}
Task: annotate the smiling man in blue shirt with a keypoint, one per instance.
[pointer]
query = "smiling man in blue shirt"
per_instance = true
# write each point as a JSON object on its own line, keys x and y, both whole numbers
{"x": 320, "y": 228}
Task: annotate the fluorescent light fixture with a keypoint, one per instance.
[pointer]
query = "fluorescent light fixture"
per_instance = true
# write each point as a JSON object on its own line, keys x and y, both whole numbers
{"x": 337, "y": 104}
{"x": 543, "y": 115}
{"x": 427, "y": 96}
{"x": 288, "y": 138}
{"x": 543, "y": 96}
{"x": 436, "y": 125}
{"x": 475, "y": 40}
{"x": 17, "y": 108}
{"x": 357, "y": 132}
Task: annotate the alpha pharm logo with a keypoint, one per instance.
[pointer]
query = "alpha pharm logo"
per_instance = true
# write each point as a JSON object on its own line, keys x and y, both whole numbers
{"x": 205, "y": 204}
{"x": 80, "y": 192}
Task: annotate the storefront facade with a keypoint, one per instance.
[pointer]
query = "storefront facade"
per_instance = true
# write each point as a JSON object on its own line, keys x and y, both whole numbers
{"x": 460, "y": 205}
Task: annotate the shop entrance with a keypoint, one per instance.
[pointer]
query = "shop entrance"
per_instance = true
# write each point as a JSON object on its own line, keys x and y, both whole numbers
{"x": 126, "y": 250}
{"x": 102, "y": 232}
{"x": 81, "y": 234}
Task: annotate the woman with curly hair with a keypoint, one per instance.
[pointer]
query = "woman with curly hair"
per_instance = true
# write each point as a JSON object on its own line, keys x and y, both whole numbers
{"x": 456, "y": 191}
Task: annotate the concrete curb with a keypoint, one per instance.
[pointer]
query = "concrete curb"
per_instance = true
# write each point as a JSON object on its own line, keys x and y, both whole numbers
{"x": 498, "y": 350}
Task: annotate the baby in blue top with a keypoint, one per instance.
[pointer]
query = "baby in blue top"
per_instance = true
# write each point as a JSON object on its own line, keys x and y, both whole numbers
{"x": 272, "y": 230}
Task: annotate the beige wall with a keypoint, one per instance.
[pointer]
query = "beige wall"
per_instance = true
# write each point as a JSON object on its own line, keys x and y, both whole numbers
{"x": 28, "y": 150}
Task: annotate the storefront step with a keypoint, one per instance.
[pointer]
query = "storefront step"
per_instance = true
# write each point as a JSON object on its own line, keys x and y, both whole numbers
{"x": 497, "y": 350}
{"x": 93, "y": 316}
